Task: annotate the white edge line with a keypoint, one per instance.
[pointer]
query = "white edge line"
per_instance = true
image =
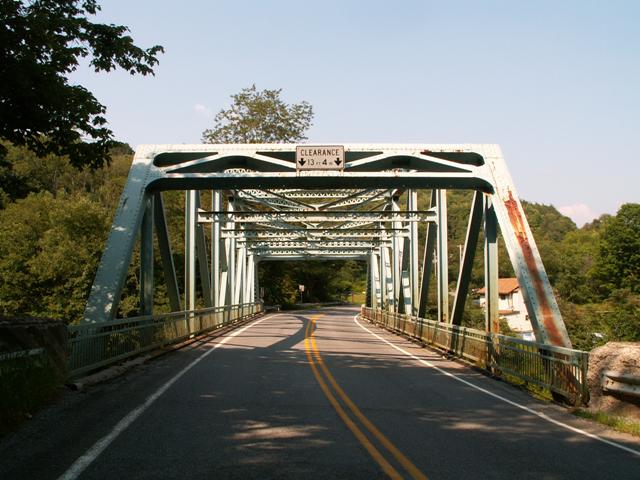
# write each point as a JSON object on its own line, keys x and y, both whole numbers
{"x": 495, "y": 395}
{"x": 90, "y": 455}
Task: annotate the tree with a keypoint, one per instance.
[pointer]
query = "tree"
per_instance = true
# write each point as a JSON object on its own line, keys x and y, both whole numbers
{"x": 260, "y": 117}
{"x": 618, "y": 262}
{"x": 49, "y": 251}
{"x": 41, "y": 42}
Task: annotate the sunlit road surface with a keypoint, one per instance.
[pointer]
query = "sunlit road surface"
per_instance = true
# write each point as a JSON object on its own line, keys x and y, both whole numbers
{"x": 310, "y": 395}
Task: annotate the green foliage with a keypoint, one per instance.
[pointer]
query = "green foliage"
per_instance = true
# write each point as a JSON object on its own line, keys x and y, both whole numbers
{"x": 41, "y": 42}
{"x": 260, "y": 117}
{"x": 323, "y": 280}
{"x": 49, "y": 249}
{"x": 594, "y": 324}
{"x": 618, "y": 263}
{"x": 576, "y": 256}
{"x": 549, "y": 228}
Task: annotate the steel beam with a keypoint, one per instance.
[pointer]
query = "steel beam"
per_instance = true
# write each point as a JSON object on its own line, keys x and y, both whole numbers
{"x": 541, "y": 304}
{"x": 466, "y": 266}
{"x": 146, "y": 259}
{"x": 492, "y": 298}
{"x": 427, "y": 262}
{"x": 166, "y": 255}
{"x": 443, "y": 257}
{"x": 190, "y": 222}
{"x": 396, "y": 253}
{"x": 412, "y": 199}
{"x": 216, "y": 237}
{"x": 312, "y": 217}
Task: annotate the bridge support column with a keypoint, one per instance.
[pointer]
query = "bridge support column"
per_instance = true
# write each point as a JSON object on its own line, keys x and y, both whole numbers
{"x": 240, "y": 271}
{"x": 491, "y": 267}
{"x": 146, "y": 258}
{"x": 216, "y": 206}
{"x": 413, "y": 256}
{"x": 466, "y": 266}
{"x": 374, "y": 280}
{"x": 231, "y": 255}
{"x": 427, "y": 262}
{"x": 203, "y": 261}
{"x": 443, "y": 256}
{"x": 396, "y": 257}
{"x": 166, "y": 255}
{"x": 248, "y": 295}
{"x": 191, "y": 214}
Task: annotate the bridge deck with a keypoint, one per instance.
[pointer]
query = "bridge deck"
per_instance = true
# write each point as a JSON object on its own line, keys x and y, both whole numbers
{"x": 265, "y": 401}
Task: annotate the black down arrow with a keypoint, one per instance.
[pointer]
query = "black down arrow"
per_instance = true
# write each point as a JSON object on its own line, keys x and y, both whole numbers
{"x": 338, "y": 161}
{"x": 302, "y": 162}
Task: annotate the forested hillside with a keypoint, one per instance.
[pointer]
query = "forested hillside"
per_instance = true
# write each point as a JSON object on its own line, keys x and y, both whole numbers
{"x": 54, "y": 220}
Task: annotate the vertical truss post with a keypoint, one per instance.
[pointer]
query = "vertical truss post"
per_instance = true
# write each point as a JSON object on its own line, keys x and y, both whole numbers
{"x": 388, "y": 279}
{"x": 443, "y": 256}
{"x": 146, "y": 258}
{"x": 216, "y": 206}
{"x": 203, "y": 261}
{"x": 224, "y": 294}
{"x": 166, "y": 255}
{"x": 368, "y": 299}
{"x": 405, "y": 277}
{"x": 383, "y": 274}
{"x": 491, "y": 267}
{"x": 413, "y": 256}
{"x": 257, "y": 297}
{"x": 231, "y": 253}
{"x": 396, "y": 258}
{"x": 191, "y": 215}
{"x": 248, "y": 289}
{"x": 375, "y": 280}
{"x": 240, "y": 273}
{"x": 468, "y": 256}
{"x": 427, "y": 262}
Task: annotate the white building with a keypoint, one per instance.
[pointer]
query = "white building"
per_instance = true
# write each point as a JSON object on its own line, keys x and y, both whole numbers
{"x": 511, "y": 307}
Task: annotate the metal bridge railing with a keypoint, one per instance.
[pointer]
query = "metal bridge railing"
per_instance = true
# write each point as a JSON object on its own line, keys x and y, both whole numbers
{"x": 100, "y": 344}
{"x": 561, "y": 370}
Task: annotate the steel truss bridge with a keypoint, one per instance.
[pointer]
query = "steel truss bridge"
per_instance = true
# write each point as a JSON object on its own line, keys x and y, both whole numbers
{"x": 263, "y": 208}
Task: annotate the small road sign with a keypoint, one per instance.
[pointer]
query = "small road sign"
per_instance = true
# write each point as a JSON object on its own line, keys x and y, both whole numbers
{"x": 322, "y": 157}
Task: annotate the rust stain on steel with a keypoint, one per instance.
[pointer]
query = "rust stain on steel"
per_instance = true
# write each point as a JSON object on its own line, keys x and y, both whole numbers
{"x": 515, "y": 217}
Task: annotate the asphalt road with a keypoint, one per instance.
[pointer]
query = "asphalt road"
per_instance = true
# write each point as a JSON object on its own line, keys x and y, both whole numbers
{"x": 311, "y": 395}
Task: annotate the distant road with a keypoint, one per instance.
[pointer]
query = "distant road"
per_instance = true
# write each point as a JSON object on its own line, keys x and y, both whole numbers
{"x": 311, "y": 395}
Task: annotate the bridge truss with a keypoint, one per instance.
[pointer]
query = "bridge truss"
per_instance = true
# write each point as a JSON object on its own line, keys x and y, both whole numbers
{"x": 262, "y": 208}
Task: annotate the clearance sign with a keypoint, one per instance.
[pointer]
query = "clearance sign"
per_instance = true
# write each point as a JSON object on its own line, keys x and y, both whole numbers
{"x": 325, "y": 157}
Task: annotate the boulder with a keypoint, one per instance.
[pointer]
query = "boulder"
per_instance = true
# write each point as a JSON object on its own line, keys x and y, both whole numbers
{"x": 614, "y": 376}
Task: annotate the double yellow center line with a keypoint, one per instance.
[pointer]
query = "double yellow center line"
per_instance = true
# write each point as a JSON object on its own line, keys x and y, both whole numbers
{"x": 315, "y": 361}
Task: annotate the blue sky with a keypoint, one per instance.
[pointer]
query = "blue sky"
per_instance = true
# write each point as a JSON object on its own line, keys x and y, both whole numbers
{"x": 555, "y": 83}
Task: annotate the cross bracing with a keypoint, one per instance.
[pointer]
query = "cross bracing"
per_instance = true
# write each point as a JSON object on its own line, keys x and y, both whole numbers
{"x": 262, "y": 207}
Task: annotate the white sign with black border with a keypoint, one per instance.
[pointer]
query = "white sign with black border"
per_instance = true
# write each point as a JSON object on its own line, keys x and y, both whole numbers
{"x": 320, "y": 157}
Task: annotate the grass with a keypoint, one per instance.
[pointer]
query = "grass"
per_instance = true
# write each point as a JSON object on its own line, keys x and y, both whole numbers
{"x": 620, "y": 424}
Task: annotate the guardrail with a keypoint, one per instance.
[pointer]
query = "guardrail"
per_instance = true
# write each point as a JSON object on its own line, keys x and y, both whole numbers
{"x": 561, "y": 370}
{"x": 100, "y": 344}
{"x": 621, "y": 383}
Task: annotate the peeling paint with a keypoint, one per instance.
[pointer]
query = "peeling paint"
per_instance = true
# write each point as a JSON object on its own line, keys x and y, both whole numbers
{"x": 548, "y": 320}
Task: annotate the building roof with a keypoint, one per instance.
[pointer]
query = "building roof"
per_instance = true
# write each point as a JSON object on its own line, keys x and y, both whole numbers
{"x": 505, "y": 286}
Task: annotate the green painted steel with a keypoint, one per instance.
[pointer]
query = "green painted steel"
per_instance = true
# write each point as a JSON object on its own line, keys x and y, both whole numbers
{"x": 561, "y": 370}
{"x": 93, "y": 346}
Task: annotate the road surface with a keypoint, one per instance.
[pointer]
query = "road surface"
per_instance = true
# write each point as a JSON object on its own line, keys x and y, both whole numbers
{"x": 309, "y": 395}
